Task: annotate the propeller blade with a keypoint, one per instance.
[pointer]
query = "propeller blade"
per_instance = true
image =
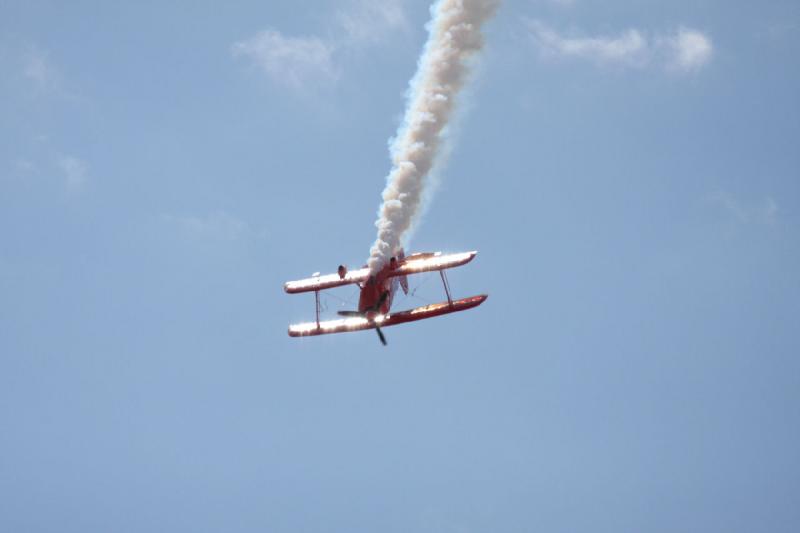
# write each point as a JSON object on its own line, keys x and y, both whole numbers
{"x": 380, "y": 335}
{"x": 350, "y": 313}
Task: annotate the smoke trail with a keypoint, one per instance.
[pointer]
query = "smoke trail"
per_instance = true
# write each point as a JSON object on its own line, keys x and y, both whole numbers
{"x": 442, "y": 70}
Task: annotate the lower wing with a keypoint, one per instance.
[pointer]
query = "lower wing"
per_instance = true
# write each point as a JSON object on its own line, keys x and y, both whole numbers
{"x": 359, "y": 323}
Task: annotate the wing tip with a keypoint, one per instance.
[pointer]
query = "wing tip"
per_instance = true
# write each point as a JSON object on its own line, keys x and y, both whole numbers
{"x": 291, "y": 288}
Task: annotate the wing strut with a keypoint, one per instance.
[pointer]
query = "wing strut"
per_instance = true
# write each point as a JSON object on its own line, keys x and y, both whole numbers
{"x": 316, "y": 297}
{"x": 446, "y": 288}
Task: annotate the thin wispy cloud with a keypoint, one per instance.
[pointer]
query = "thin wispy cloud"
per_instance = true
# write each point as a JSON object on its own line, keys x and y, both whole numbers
{"x": 688, "y": 50}
{"x": 41, "y": 76}
{"x": 764, "y": 211}
{"x": 75, "y": 171}
{"x": 20, "y": 168}
{"x": 780, "y": 30}
{"x": 38, "y": 69}
{"x": 629, "y": 48}
{"x": 561, "y": 3}
{"x": 370, "y": 21}
{"x": 292, "y": 61}
{"x": 303, "y": 61}
{"x": 219, "y": 225}
{"x": 24, "y": 166}
{"x": 685, "y": 50}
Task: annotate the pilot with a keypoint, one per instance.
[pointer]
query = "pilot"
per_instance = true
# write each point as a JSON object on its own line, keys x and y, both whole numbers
{"x": 393, "y": 263}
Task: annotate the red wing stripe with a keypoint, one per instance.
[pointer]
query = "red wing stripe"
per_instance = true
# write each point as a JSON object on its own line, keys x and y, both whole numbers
{"x": 432, "y": 310}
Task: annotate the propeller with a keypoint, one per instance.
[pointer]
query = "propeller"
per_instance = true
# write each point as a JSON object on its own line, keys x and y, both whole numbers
{"x": 380, "y": 335}
{"x": 363, "y": 314}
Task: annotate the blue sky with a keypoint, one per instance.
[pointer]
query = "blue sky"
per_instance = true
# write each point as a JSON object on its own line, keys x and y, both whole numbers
{"x": 627, "y": 170}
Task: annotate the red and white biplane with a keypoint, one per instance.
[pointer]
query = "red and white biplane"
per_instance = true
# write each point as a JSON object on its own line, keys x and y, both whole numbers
{"x": 377, "y": 293}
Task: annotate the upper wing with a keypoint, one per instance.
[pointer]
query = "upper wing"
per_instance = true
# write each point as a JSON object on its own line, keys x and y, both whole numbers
{"x": 414, "y": 264}
{"x": 328, "y": 281}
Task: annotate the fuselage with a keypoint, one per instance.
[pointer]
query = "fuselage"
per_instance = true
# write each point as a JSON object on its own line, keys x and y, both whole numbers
{"x": 372, "y": 290}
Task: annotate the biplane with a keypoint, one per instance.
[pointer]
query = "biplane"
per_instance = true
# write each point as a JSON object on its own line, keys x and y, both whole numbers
{"x": 377, "y": 293}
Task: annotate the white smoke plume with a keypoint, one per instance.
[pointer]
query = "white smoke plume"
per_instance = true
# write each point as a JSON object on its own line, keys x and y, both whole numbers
{"x": 454, "y": 37}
